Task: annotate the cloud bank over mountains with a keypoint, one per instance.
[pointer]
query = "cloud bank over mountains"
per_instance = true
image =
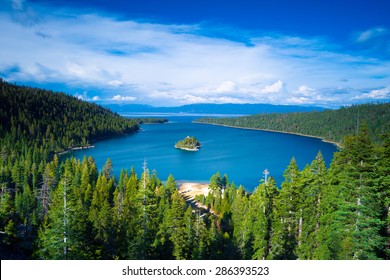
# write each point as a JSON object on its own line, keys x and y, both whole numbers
{"x": 104, "y": 58}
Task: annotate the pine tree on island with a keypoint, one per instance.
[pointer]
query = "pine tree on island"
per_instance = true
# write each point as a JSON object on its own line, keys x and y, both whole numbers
{"x": 188, "y": 144}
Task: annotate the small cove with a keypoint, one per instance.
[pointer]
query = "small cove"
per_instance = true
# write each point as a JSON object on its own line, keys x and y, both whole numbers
{"x": 242, "y": 154}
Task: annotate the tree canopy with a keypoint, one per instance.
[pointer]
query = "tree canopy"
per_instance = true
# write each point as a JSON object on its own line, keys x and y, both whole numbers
{"x": 53, "y": 208}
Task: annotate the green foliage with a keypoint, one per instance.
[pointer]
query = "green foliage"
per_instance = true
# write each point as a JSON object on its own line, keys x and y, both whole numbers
{"x": 287, "y": 215}
{"x": 54, "y": 120}
{"x": 188, "y": 143}
{"x": 36, "y": 126}
{"x": 53, "y": 209}
{"x": 331, "y": 125}
{"x": 262, "y": 204}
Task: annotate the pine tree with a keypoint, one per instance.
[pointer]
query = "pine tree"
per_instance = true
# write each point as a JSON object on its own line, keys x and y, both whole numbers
{"x": 100, "y": 216}
{"x": 383, "y": 182}
{"x": 6, "y": 206}
{"x": 162, "y": 243}
{"x": 118, "y": 219}
{"x": 54, "y": 232}
{"x": 189, "y": 234}
{"x": 242, "y": 224}
{"x": 358, "y": 216}
{"x": 50, "y": 179}
{"x": 107, "y": 170}
{"x": 262, "y": 203}
{"x": 215, "y": 239}
{"x": 64, "y": 233}
{"x": 287, "y": 216}
{"x": 130, "y": 219}
{"x": 314, "y": 181}
{"x": 201, "y": 244}
{"x": 146, "y": 215}
{"x": 24, "y": 205}
{"x": 176, "y": 225}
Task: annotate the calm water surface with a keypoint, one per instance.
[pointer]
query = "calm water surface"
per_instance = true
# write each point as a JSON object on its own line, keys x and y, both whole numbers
{"x": 239, "y": 153}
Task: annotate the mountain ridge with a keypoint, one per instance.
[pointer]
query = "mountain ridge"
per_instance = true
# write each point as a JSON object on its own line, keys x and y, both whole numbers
{"x": 210, "y": 108}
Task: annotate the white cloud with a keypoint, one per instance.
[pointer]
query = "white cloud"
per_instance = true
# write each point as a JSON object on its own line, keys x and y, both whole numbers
{"x": 299, "y": 100}
{"x": 167, "y": 64}
{"x": 227, "y": 86}
{"x": 275, "y": 87}
{"x": 377, "y": 94}
{"x": 82, "y": 96}
{"x": 115, "y": 83}
{"x": 78, "y": 96}
{"x": 380, "y": 93}
{"x": 305, "y": 89}
{"x": 123, "y": 98}
{"x": 371, "y": 34}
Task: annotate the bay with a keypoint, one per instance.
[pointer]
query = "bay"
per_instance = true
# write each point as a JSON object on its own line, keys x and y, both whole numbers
{"x": 240, "y": 153}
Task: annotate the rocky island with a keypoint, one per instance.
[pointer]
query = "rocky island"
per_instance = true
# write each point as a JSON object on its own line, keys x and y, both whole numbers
{"x": 188, "y": 144}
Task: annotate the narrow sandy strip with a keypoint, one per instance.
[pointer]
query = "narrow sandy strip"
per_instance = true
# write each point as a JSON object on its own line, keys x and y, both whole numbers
{"x": 190, "y": 189}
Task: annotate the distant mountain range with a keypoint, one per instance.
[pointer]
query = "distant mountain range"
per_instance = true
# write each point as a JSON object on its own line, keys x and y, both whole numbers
{"x": 237, "y": 109}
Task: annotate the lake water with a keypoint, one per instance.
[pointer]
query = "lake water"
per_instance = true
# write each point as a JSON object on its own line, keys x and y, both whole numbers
{"x": 241, "y": 154}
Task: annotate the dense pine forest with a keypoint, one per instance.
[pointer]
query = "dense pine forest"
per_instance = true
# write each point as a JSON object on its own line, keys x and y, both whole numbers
{"x": 66, "y": 209}
{"x": 330, "y": 125}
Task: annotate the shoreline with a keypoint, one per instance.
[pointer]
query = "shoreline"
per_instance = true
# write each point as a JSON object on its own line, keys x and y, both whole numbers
{"x": 75, "y": 149}
{"x": 188, "y": 190}
{"x": 187, "y": 149}
{"x": 338, "y": 145}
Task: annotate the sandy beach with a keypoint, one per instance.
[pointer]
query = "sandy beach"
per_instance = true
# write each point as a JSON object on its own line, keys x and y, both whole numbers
{"x": 190, "y": 189}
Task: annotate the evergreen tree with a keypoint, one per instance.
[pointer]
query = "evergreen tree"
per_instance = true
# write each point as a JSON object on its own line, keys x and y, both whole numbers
{"x": 215, "y": 239}
{"x": 242, "y": 224}
{"x": 287, "y": 216}
{"x": 147, "y": 216}
{"x": 100, "y": 217}
{"x": 314, "y": 181}
{"x": 108, "y": 170}
{"x": 358, "y": 216}
{"x": 189, "y": 234}
{"x": 262, "y": 203}
{"x": 383, "y": 182}
{"x": 201, "y": 243}
{"x": 24, "y": 205}
{"x": 176, "y": 225}
{"x": 130, "y": 219}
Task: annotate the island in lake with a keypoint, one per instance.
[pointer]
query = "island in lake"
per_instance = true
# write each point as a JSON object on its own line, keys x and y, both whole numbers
{"x": 188, "y": 144}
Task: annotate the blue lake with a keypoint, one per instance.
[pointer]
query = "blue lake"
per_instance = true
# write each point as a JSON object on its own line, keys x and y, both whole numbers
{"x": 241, "y": 154}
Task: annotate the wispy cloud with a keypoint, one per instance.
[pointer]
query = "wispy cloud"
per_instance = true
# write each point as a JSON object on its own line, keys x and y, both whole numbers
{"x": 118, "y": 60}
{"x": 371, "y": 34}
{"x": 375, "y": 41}
{"x": 123, "y": 98}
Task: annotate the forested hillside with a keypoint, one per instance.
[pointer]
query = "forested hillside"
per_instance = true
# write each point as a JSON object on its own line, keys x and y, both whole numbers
{"x": 36, "y": 124}
{"x": 55, "y": 120}
{"x": 319, "y": 213}
{"x": 53, "y": 209}
{"x": 331, "y": 125}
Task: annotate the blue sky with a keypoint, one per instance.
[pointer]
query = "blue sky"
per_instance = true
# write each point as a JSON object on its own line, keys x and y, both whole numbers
{"x": 169, "y": 53}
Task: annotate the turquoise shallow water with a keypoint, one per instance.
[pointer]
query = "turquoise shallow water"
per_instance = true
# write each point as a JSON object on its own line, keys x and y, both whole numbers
{"x": 239, "y": 153}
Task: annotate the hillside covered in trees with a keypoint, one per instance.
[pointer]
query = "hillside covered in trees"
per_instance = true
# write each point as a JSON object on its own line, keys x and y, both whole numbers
{"x": 319, "y": 213}
{"x": 67, "y": 209}
{"x": 55, "y": 120}
{"x": 35, "y": 125}
{"x": 330, "y": 125}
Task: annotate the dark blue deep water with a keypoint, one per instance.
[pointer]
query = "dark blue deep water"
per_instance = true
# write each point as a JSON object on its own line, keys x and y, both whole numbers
{"x": 241, "y": 154}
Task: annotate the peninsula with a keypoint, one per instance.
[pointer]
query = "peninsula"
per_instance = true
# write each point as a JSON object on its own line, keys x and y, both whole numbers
{"x": 188, "y": 144}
